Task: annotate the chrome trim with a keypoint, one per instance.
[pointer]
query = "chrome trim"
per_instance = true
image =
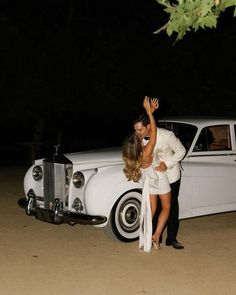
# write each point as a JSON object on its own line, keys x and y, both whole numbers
{"x": 211, "y": 155}
{"x": 56, "y": 183}
{"x": 63, "y": 217}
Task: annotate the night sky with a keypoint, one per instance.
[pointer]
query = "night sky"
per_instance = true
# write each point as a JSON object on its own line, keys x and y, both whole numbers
{"x": 75, "y": 72}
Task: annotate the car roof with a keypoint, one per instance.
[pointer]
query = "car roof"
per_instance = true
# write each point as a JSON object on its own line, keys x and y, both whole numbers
{"x": 200, "y": 120}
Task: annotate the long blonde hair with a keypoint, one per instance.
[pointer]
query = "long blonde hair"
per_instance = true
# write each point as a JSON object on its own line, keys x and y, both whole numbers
{"x": 132, "y": 156}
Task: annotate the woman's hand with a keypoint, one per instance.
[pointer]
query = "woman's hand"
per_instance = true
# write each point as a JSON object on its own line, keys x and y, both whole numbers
{"x": 154, "y": 104}
{"x": 147, "y": 105}
{"x": 150, "y": 105}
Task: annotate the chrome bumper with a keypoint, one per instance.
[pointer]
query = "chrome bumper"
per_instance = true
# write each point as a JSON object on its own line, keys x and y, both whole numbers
{"x": 62, "y": 217}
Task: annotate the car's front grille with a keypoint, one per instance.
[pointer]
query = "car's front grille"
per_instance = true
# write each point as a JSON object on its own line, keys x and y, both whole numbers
{"x": 56, "y": 178}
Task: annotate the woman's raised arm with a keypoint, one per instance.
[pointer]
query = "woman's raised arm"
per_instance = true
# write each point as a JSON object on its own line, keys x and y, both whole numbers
{"x": 150, "y": 105}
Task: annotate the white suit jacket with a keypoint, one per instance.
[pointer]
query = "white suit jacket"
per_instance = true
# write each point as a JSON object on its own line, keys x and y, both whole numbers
{"x": 170, "y": 150}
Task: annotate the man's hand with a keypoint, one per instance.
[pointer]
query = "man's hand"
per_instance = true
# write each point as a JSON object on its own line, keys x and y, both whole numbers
{"x": 161, "y": 167}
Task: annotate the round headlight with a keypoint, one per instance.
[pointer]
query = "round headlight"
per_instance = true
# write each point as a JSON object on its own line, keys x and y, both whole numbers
{"x": 37, "y": 173}
{"x": 78, "y": 179}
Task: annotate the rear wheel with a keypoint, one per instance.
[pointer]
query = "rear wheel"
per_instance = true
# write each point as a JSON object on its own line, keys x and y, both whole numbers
{"x": 123, "y": 223}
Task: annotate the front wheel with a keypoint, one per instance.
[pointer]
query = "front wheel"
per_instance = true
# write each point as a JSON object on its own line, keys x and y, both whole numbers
{"x": 123, "y": 223}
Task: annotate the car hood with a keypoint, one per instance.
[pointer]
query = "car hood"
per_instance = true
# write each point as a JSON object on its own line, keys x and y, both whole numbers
{"x": 96, "y": 158}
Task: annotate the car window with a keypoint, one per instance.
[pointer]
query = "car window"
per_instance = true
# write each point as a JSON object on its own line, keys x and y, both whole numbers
{"x": 213, "y": 138}
{"x": 185, "y": 132}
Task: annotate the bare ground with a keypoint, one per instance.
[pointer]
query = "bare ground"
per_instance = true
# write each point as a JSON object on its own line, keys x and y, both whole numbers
{"x": 41, "y": 258}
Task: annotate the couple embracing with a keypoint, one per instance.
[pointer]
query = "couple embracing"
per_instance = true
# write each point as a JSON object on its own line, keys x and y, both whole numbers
{"x": 155, "y": 162}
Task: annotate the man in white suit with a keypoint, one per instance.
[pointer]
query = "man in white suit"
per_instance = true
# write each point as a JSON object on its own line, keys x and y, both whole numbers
{"x": 170, "y": 152}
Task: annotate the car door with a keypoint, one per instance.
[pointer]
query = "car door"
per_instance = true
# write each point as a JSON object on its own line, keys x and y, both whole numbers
{"x": 212, "y": 170}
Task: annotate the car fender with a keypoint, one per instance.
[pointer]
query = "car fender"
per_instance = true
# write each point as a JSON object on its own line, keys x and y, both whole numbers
{"x": 105, "y": 188}
{"x": 30, "y": 183}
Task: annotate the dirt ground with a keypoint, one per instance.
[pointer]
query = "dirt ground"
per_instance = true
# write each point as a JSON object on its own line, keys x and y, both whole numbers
{"x": 41, "y": 258}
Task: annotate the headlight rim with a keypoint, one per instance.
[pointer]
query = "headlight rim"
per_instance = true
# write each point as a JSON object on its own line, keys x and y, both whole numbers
{"x": 37, "y": 174}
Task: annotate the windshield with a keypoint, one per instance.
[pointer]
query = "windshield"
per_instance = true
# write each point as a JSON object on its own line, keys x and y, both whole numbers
{"x": 185, "y": 132}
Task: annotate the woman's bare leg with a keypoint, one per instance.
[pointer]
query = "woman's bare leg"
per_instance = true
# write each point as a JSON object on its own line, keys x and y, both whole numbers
{"x": 163, "y": 216}
{"x": 153, "y": 204}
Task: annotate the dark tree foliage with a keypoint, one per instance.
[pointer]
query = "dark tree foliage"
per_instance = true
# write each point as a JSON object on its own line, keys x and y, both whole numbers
{"x": 186, "y": 16}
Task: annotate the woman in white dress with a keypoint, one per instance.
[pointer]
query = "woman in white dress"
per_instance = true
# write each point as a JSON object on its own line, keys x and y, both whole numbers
{"x": 140, "y": 165}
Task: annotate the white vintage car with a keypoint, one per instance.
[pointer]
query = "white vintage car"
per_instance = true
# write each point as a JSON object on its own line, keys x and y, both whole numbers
{"x": 90, "y": 187}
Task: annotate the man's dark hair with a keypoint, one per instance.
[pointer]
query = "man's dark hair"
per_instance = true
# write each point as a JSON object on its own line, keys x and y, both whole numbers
{"x": 142, "y": 118}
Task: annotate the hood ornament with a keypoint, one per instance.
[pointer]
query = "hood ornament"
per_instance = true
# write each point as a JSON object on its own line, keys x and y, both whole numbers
{"x": 56, "y": 149}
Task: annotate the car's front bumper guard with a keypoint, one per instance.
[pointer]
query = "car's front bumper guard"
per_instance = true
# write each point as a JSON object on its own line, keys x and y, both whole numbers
{"x": 62, "y": 217}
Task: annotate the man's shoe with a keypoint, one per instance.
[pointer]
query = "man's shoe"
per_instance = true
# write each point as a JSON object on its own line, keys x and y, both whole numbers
{"x": 174, "y": 244}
